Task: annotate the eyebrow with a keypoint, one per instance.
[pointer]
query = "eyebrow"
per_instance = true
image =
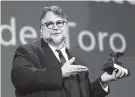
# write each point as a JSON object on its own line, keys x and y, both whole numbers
{"x": 55, "y": 22}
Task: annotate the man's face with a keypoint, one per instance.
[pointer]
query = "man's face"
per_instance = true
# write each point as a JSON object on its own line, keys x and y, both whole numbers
{"x": 52, "y": 30}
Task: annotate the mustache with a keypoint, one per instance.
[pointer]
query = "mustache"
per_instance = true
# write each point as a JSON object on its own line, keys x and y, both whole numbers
{"x": 50, "y": 40}
{"x": 57, "y": 31}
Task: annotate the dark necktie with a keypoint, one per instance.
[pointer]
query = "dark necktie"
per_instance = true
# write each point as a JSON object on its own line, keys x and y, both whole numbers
{"x": 70, "y": 87}
{"x": 65, "y": 91}
{"x": 62, "y": 59}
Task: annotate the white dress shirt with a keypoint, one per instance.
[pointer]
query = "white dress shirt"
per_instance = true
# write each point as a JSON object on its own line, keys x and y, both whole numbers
{"x": 63, "y": 50}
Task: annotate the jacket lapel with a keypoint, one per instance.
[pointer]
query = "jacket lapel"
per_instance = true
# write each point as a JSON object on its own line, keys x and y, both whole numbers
{"x": 47, "y": 52}
{"x": 70, "y": 56}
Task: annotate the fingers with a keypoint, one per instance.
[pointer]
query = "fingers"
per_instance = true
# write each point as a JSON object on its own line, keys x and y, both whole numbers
{"x": 78, "y": 69}
{"x": 122, "y": 74}
{"x": 68, "y": 69}
{"x": 71, "y": 60}
{"x": 74, "y": 73}
{"x": 119, "y": 74}
{"x": 123, "y": 69}
{"x": 81, "y": 68}
{"x": 114, "y": 73}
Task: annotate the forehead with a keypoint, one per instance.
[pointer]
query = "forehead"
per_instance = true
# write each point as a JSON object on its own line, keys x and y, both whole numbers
{"x": 50, "y": 16}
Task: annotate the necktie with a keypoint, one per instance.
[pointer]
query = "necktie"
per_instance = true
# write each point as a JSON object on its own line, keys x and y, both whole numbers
{"x": 62, "y": 59}
{"x": 65, "y": 91}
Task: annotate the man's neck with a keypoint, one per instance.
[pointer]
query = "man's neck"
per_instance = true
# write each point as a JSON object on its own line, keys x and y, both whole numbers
{"x": 57, "y": 46}
{"x": 61, "y": 45}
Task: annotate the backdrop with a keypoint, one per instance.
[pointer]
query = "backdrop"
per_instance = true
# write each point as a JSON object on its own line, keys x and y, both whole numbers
{"x": 95, "y": 29}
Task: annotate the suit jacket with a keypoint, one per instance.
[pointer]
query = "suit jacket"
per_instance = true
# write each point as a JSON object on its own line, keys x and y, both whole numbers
{"x": 36, "y": 72}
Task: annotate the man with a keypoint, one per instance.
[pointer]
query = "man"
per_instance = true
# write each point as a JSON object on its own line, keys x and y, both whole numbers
{"x": 46, "y": 68}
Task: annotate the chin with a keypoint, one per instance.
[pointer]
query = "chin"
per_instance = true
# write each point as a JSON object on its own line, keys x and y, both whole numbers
{"x": 59, "y": 40}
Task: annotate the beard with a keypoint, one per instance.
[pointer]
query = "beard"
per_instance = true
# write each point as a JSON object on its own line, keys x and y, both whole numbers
{"x": 56, "y": 41}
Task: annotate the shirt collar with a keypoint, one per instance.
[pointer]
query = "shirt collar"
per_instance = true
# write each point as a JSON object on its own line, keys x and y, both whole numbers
{"x": 63, "y": 49}
{"x": 52, "y": 47}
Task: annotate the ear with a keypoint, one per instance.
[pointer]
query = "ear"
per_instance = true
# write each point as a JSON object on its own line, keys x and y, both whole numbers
{"x": 41, "y": 33}
{"x": 41, "y": 30}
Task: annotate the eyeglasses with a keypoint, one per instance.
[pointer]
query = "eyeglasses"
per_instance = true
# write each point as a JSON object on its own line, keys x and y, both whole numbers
{"x": 50, "y": 24}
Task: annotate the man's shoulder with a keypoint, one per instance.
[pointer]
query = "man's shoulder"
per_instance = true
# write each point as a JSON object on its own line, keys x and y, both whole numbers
{"x": 30, "y": 47}
{"x": 28, "y": 51}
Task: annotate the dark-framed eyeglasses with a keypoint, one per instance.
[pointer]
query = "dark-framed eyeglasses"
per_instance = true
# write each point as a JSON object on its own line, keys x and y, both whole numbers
{"x": 50, "y": 24}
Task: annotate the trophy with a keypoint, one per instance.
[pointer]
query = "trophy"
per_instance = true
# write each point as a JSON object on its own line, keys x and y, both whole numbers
{"x": 113, "y": 63}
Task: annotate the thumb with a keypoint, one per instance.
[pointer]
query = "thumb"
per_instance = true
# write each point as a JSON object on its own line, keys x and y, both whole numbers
{"x": 71, "y": 60}
{"x": 115, "y": 71}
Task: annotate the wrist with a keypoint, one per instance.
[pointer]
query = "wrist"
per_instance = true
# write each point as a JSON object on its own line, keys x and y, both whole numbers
{"x": 102, "y": 81}
{"x": 104, "y": 78}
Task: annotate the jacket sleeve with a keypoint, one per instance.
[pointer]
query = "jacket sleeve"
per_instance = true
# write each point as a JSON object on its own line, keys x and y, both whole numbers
{"x": 93, "y": 89}
{"x": 97, "y": 90}
{"x": 26, "y": 74}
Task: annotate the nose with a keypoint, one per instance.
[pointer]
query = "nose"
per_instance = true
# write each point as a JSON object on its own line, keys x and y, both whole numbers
{"x": 55, "y": 27}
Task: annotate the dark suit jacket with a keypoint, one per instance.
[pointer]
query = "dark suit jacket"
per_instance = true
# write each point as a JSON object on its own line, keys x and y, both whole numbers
{"x": 36, "y": 72}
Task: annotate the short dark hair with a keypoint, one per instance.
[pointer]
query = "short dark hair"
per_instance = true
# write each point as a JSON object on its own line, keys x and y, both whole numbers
{"x": 55, "y": 9}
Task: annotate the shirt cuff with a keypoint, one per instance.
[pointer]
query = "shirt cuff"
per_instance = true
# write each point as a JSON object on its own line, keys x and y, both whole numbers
{"x": 104, "y": 85}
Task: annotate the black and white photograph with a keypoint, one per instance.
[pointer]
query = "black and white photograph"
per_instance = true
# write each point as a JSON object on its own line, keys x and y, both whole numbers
{"x": 67, "y": 48}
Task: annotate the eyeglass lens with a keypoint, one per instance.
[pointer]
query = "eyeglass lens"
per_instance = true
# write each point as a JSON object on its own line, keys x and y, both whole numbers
{"x": 59, "y": 24}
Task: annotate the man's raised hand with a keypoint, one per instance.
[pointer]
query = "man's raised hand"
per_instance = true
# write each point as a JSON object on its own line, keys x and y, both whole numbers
{"x": 68, "y": 69}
